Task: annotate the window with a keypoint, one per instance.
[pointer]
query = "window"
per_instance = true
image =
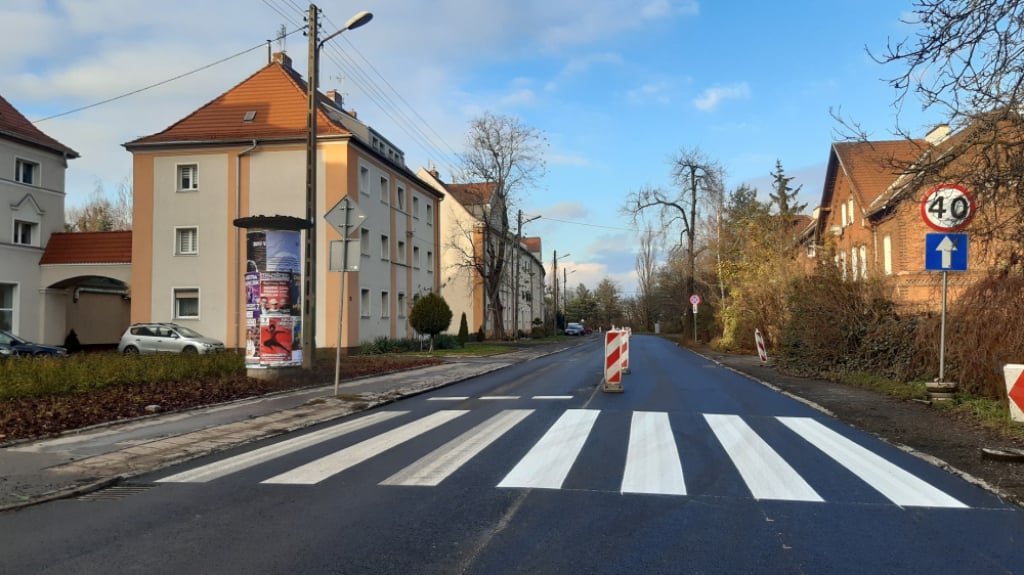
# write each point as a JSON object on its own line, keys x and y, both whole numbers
{"x": 401, "y": 198}
{"x": 25, "y": 233}
{"x": 853, "y": 263}
{"x": 364, "y": 242}
{"x": 7, "y": 306}
{"x": 385, "y": 195}
{"x": 385, "y": 248}
{"x": 26, "y": 172}
{"x": 416, "y": 257}
{"x": 186, "y": 303}
{"x": 188, "y": 178}
{"x": 364, "y": 180}
{"x": 887, "y": 254}
{"x": 430, "y": 261}
{"x": 844, "y": 215}
{"x": 401, "y": 304}
{"x": 852, "y": 217}
{"x": 864, "y": 262}
{"x": 385, "y": 304}
{"x": 186, "y": 241}
{"x": 415, "y": 207}
{"x": 364, "y": 302}
{"x": 401, "y": 252}
{"x": 430, "y": 217}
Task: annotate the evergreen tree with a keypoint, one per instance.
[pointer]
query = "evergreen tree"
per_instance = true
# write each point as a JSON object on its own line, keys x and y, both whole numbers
{"x": 430, "y": 315}
{"x": 784, "y": 197}
{"x": 463, "y": 336}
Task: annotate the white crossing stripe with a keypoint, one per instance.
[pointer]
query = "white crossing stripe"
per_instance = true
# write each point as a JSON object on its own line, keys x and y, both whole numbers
{"x": 320, "y": 469}
{"x": 898, "y": 485}
{"x": 652, "y": 460}
{"x": 547, "y": 464}
{"x": 551, "y": 397}
{"x": 230, "y": 465}
{"x": 452, "y": 398}
{"x": 436, "y": 466}
{"x": 766, "y": 474}
{"x": 498, "y": 397}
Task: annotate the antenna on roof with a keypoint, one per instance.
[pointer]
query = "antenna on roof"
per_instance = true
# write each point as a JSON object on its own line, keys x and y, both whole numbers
{"x": 282, "y": 39}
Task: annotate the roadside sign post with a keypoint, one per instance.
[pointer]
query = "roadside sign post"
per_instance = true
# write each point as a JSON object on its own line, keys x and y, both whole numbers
{"x": 946, "y": 208}
{"x": 346, "y": 217}
{"x": 695, "y": 300}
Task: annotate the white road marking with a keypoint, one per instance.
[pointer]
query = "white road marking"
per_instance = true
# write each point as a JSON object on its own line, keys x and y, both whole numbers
{"x": 499, "y": 397}
{"x": 551, "y": 397}
{"x": 453, "y": 398}
{"x": 652, "y": 460}
{"x": 230, "y": 465}
{"x": 898, "y": 485}
{"x": 436, "y": 466}
{"x": 320, "y": 469}
{"x": 549, "y": 461}
{"x": 766, "y": 474}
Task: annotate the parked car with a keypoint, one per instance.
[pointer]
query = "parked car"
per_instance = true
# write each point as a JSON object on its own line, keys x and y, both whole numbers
{"x": 574, "y": 329}
{"x": 166, "y": 338}
{"x": 11, "y": 344}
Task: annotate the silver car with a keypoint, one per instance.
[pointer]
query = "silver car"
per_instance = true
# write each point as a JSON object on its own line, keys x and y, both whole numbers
{"x": 166, "y": 338}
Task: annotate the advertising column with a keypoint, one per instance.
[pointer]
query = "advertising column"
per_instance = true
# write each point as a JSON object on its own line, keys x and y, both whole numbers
{"x": 273, "y": 301}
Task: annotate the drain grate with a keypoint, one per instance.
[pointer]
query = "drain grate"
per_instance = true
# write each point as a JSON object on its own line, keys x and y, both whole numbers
{"x": 117, "y": 492}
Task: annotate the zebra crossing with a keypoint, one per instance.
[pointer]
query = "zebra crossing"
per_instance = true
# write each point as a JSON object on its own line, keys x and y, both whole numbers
{"x": 655, "y": 463}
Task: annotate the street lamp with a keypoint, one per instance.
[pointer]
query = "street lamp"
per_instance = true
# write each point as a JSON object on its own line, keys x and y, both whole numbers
{"x": 515, "y": 286}
{"x": 565, "y": 288}
{"x": 554, "y": 294}
{"x": 309, "y": 257}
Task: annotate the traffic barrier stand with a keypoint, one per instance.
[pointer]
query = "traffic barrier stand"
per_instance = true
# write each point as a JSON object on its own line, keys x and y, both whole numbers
{"x": 625, "y": 351}
{"x": 612, "y": 362}
{"x": 1014, "y": 375}
{"x": 761, "y": 351}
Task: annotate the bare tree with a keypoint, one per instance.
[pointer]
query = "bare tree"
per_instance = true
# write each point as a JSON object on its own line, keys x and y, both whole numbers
{"x": 698, "y": 180}
{"x": 100, "y": 214}
{"x": 503, "y": 159}
{"x": 646, "y": 268}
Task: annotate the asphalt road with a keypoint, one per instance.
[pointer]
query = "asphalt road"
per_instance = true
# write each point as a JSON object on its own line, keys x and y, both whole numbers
{"x": 533, "y": 469}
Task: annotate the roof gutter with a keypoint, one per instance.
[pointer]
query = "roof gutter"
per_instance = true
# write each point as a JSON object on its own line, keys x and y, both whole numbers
{"x": 238, "y": 239}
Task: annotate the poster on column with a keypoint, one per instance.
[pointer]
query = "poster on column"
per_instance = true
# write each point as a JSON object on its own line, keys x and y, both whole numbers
{"x": 252, "y": 318}
{"x": 276, "y": 340}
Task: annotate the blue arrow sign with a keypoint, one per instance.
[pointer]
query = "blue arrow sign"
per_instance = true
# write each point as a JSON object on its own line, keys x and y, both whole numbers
{"x": 945, "y": 252}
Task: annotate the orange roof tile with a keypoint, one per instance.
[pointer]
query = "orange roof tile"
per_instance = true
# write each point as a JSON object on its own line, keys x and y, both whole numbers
{"x": 871, "y": 167}
{"x": 532, "y": 244}
{"x": 471, "y": 194}
{"x": 88, "y": 248}
{"x": 17, "y": 126}
{"x": 277, "y": 95}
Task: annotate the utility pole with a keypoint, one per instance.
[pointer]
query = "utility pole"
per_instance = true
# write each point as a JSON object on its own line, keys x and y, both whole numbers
{"x": 515, "y": 259}
{"x": 309, "y": 271}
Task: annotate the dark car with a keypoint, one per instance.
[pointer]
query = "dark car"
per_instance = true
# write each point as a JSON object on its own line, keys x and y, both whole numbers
{"x": 11, "y": 344}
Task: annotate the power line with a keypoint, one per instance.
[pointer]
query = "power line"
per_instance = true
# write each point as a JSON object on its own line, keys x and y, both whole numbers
{"x": 591, "y": 225}
{"x": 161, "y": 83}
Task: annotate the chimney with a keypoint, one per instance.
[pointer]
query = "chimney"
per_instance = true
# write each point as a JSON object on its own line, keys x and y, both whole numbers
{"x": 283, "y": 59}
{"x": 938, "y": 134}
{"x": 336, "y": 98}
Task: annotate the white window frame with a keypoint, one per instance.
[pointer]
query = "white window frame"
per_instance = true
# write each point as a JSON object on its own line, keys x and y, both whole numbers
{"x": 385, "y": 248}
{"x": 179, "y": 234}
{"x": 887, "y": 254}
{"x": 364, "y": 242}
{"x": 401, "y": 305}
{"x": 430, "y": 262}
{"x": 415, "y": 206}
{"x": 178, "y": 296}
{"x": 364, "y": 303}
{"x": 364, "y": 180}
{"x": 21, "y": 227}
{"x": 430, "y": 214}
{"x": 863, "y": 262}
{"x": 844, "y": 215}
{"x": 401, "y": 252}
{"x": 400, "y": 197}
{"x": 385, "y": 190}
{"x": 10, "y": 312}
{"x": 385, "y": 304}
{"x": 193, "y": 183}
{"x": 34, "y": 170}
{"x": 416, "y": 257}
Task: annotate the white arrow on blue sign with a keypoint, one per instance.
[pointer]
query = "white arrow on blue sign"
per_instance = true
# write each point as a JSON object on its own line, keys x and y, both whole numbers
{"x": 945, "y": 252}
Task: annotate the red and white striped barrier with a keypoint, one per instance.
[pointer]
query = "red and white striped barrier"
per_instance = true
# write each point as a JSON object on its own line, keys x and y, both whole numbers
{"x": 626, "y": 334}
{"x": 761, "y": 351}
{"x": 613, "y": 361}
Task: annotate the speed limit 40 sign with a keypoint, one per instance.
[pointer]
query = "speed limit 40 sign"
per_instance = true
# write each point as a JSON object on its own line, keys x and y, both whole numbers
{"x": 947, "y": 208}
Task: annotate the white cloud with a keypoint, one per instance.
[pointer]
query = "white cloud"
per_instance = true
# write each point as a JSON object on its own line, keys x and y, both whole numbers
{"x": 657, "y": 91}
{"x": 520, "y": 97}
{"x": 711, "y": 97}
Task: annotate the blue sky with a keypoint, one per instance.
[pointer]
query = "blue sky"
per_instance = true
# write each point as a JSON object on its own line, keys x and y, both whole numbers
{"x": 617, "y": 86}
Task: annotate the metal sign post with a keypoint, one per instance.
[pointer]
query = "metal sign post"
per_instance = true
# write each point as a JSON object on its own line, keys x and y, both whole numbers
{"x": 695, "y": 300}
{"x": 346, "y": 217}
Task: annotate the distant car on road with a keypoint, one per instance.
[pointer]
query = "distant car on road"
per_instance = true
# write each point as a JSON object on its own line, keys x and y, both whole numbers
{"x": 11, "y": 344}
{"x": 574, "y": 329}
{"x": 166, "y": 338}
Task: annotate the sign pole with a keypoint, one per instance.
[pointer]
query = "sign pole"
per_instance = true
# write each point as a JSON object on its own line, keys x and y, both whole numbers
{"x": 942, "y": 330}
{"x": 694, "y": 322}
{"x": 341, "y": 304}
